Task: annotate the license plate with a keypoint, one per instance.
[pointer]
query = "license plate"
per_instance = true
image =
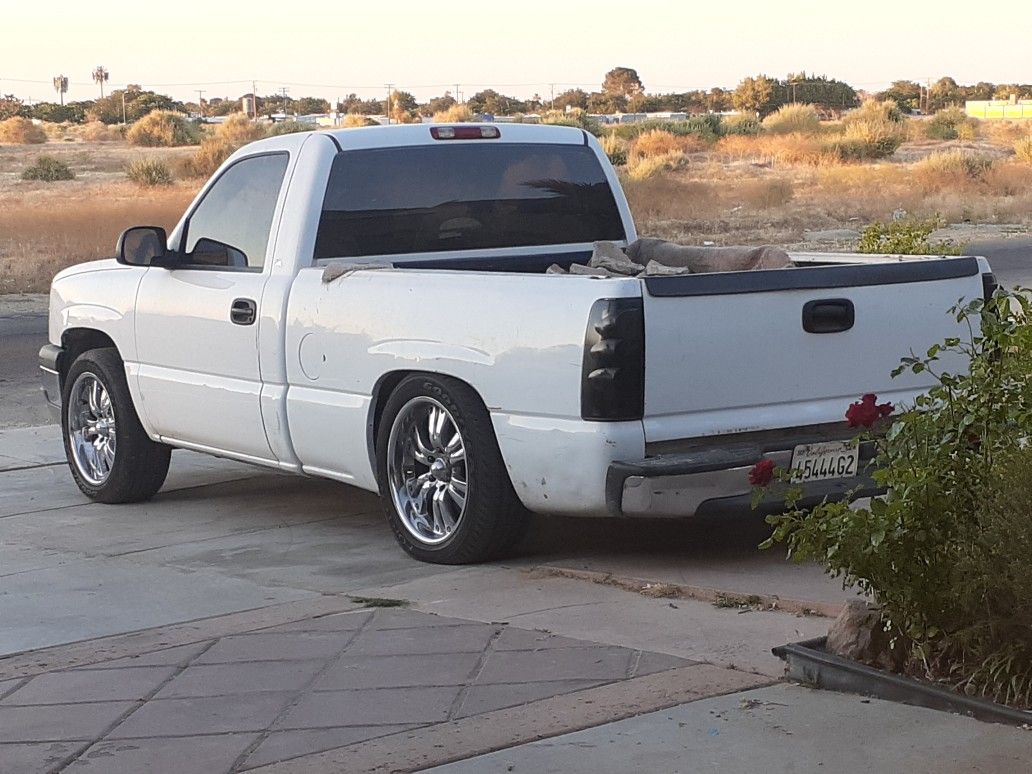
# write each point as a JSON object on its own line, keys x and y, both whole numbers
{"x": 819, "y": 461}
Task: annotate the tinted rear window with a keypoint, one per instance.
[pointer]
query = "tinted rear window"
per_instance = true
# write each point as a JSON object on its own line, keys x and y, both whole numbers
{"x": 464, "y": 196}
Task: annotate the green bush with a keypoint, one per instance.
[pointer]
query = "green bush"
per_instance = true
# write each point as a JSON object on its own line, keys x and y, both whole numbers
{"x": 743, "y": 124}
{"x": 790, "y": 119}
{"x": 706, "y": 127}
{"x": 149, "y": 172}
{"x": 574, "y": 117}
{"x": 163, "y": 128}
{"x": 48, "y": 169}
{"x": 289, "y": 127}
{"x": 945, "y": 552}
{"x": 945, "y": 124}
{"x": 904, "y": 237}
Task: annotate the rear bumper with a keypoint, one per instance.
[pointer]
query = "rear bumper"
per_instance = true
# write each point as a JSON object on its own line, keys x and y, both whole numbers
{"x": 679, "y": 485}
{"x": 50, "y": 377}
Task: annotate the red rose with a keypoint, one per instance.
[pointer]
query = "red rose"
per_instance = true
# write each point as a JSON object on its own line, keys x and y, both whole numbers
{"x": 867, "y": 411}
{"x": 762, "y": 473}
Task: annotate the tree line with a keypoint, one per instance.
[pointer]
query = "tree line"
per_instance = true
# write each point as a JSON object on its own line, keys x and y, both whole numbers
{"x": 621, "y": 90}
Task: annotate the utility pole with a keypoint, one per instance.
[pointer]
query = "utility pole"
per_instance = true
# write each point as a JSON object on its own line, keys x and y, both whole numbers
{"x": 551, "y": 104}
{"x": 390, "y": 88}
{"x": 123, "y": 108}
{"x": 100, "y": 75}
{"x": 61, "y": 86}
{"x": 458, "y": 96}
{"x": 254, "y": 100}
{"x": 200, "y": 100}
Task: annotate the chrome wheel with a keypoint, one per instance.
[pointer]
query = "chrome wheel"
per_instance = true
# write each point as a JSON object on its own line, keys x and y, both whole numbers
{"x": 91, "y": 428}
{"x": 427, "y": 470}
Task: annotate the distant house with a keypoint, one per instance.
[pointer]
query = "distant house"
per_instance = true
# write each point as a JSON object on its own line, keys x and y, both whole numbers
{"x": 987, "y": 109}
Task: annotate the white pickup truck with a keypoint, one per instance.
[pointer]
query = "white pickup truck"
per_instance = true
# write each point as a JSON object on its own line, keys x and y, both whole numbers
{"x": 442, "y": 365}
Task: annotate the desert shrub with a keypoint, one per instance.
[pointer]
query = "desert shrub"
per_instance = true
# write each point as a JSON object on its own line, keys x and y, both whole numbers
{"x": 453, "y": 115}
{"x": 21, "y": 131}
{"x": 615, "y": 148}
{"x": 47, "y": 169}
{"x": 149, "y": 172}
{"x": 238, "y": 129}
{"x": 904, "y": 237}
{"x": 1005, "y": 132}
{"x": 354, "y": 120}
{"x": 98, "y": 131}
{"x": 642, "y": 167}
{"x": 741, "y": 124}
{"x": 163, "y": 128}
{"x": 1009, "y": 179}
{"x": 868, "y": 138}
{"x": 706, "y": 127}
{"x": 658, "y": 143}
{"x": 944, "y": 552}
{"x": 969, "y": 130}
{"x": 1023, "y": 149}
{"x": 885, "y": 110}
{"x": 289, "y": 127}
{"x": 793, "y": 118}
{"x": 575, "y": 117}
{"x": 208, "y": 158}
{"x": 944, "y": 124}
{"x": 951, "y": 169}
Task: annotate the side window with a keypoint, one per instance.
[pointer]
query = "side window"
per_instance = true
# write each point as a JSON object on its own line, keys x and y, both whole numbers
{"x": 230, "y": 226}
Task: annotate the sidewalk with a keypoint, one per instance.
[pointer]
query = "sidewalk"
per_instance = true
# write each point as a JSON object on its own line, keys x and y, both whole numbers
{"x": 375, "y": 687}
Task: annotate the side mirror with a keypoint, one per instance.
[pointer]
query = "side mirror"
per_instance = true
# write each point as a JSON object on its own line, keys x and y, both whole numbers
{"x": 142, "y": 246}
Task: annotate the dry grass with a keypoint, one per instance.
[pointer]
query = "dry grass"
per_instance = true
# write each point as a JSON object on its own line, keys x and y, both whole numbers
{"x": 794, "y": 148}
{"x": 659, "y": 143}
{"x": 38, "y": 238}
{"x": 21, "y": 131}
{"x": 453, "y": 115}
{"x": 790, "y": 119}
{"x": 1023, "y": 149}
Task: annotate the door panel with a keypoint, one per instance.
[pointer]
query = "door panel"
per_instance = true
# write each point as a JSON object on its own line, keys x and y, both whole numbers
{"x": 198, "y": 375}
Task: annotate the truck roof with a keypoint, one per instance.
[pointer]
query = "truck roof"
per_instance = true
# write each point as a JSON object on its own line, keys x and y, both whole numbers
{"x": 419, "y": 134}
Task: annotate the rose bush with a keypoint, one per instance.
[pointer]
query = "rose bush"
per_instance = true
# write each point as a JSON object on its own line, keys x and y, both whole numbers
{"x": 946, "y": 551}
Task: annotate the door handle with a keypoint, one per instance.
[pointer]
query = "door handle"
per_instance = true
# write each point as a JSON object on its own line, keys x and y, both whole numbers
{"x": 828, "y": 315}
{"x": 243, "y": 311}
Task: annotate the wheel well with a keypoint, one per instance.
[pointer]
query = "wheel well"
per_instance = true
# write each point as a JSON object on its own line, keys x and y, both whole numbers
{"x": 75, "y": 341}
{"x": 382, "y": 393}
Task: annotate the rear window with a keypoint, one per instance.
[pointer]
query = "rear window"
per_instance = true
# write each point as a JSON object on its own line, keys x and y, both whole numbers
{"x": 466, "y": 196}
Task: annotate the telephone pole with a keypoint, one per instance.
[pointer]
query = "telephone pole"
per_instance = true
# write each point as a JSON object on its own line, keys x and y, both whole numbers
{"x": 551, "y": 104}
{"x": 200, "y": 101}
{"x": 390, "y": 89}
{"x": 458, "y": 95}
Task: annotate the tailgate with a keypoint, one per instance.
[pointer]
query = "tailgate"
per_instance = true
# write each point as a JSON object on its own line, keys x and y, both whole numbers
{"x": 729, "y": 353}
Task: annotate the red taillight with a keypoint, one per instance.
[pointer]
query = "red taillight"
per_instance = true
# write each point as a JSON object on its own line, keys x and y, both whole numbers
{"x": 465, "y": 132}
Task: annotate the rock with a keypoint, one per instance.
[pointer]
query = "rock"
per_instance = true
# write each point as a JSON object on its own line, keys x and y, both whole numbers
{"x": 859, "y": 634}
{"x": 608, "y": 256}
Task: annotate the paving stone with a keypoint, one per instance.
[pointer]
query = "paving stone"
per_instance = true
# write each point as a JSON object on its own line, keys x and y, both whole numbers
{"x": 178, "y": 655}
{"x": 185, "y": 755}
{"x": 59, "y": 721}
{"x": 486, "y": 698}
{"x": 513, "y": 638}
{"x": 248, "y": 677}
{"x": 398, "y": 671}
{"x": 400, "y": 618}
{"x": 470, "y": 638}
{"x": 281, "y": 745}
{"x": 370, "y": 707}
{"x": 207, "y": 715}
{"x": 275, "y": 647}
{"x": 34, "y": 757}
{"x": 591, "y": 663}
{"x": 6, "y": 686}
{"x": 650, "y": 663}
{"x": 90, "y": 685}
{"x": 338, "y": 622}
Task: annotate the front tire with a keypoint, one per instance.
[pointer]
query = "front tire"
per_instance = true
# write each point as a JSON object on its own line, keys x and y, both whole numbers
{"x": 446, "y": 492}
{"x": 111, "y": 458}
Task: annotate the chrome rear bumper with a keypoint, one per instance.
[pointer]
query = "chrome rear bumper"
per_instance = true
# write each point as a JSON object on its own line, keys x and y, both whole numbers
{"x": 679, "y": 485}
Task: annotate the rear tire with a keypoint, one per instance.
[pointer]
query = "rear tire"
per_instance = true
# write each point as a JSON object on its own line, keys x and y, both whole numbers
{"x": 111, "y": 458}
{"x": 447, "y": 494}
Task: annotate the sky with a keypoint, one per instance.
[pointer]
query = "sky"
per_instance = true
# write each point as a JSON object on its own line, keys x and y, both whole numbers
{"x": 328, "y": 49}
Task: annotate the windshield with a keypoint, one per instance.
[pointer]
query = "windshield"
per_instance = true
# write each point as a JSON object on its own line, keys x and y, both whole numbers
{"x": 430, "y": 198}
